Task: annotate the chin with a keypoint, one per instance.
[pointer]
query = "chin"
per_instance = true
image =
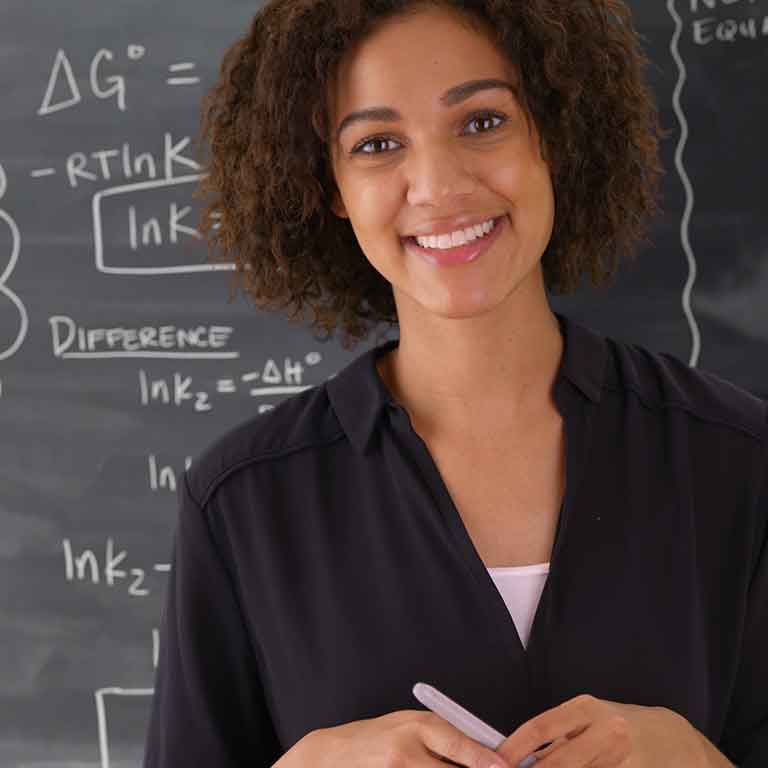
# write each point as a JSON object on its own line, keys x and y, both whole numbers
{"x": 463, "y": 309}
{"x": 449, "y": 304}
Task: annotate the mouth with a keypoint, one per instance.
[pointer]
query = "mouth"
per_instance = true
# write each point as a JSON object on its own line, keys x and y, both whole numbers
{"x": 459, "y": 254}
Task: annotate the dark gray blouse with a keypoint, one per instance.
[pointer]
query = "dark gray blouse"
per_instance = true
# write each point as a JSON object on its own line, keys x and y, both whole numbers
{"x": 320, "y": 567}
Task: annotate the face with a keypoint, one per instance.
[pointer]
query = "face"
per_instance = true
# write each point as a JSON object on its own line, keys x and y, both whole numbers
{"x": 472, "y": 155}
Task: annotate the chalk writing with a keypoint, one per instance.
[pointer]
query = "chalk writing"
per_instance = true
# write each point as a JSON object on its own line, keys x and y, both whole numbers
{"x": 743, "y": 22}
{"x": 101, "y": 695}
{"x": 163, "y": 477}
{"x": 117, "y": 261}
{"x": 113, "y": 161}
{"x": 685, "y": 298}
{"x": 62, "y": 76}
{"x": 709, "y": 30}
{"x": 11, "y": 343}
{"x": 85, "y": 566}
{"x": 70, "y": 340}
{"x": 182, "y": 67}
{"x": 62, "y": 68}
{"x": 273, "y": 379}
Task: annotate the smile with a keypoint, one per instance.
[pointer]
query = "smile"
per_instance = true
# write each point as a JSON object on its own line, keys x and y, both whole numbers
{"x": 459, "y": 254}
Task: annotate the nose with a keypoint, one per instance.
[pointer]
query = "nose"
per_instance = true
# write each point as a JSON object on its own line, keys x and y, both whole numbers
{"x": 436, "y": 174}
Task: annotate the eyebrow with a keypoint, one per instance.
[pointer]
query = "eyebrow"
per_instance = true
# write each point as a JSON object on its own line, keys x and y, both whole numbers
{"x": 451, "y": 97}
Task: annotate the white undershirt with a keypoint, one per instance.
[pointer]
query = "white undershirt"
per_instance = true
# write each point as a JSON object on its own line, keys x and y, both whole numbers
{"x": 521, "y": 588}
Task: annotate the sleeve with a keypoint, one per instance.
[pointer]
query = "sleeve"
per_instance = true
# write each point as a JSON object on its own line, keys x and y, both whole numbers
{"x": 745, "y": 736}
{"x": 208, "y": 706}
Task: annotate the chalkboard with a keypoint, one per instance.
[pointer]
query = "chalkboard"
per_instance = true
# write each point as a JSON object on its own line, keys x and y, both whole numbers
{"x": 121, "y": 357}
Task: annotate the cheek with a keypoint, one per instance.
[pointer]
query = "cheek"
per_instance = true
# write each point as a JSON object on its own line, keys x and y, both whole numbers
{"x": 529, "y": 189}
{"x": 376, "y": 210}
{"x": 376, "y": 201}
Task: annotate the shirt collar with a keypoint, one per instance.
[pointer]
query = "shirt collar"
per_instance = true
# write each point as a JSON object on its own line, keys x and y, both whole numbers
{"x": 359, "y": 396}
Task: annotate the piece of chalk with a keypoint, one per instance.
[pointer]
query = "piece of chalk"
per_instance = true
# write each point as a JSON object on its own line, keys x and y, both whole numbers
{"x": 469, "y": 724}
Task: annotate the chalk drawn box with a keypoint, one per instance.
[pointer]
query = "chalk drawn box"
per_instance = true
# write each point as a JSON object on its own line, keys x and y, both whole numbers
{"x": 129, "y": 241}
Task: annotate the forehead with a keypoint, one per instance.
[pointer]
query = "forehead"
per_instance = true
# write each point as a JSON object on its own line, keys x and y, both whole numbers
{"x": 413, "y": 58}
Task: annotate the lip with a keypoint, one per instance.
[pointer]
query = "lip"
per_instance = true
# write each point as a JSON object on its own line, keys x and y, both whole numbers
{"x": 446, "y": 226}
{"x": 461, "y": 254}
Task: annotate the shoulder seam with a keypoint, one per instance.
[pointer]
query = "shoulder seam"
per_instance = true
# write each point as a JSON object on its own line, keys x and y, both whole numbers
{"x": 224, "y": 473}
{"x": 189, "y": 491}
{"x": 693, "y": 412}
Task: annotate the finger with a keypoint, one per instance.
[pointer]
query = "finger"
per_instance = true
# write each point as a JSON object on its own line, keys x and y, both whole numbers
{"x": 446, "y": 741}
{"x": 439, "y": 760}
{"x": 542, "y": 753}
{"x": 604, "y": 743}
{"x": 568, "y": 719}
{"x": 551, "y": 746}
{"x": 442, "y": 760}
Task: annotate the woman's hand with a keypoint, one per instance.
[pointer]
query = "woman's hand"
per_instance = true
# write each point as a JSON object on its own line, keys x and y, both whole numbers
{"x": 407, "y": 737}
{"x": 587, "y": 731}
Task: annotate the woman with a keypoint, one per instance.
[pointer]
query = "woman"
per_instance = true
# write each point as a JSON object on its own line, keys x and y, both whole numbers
{"x": 562, "y": 532}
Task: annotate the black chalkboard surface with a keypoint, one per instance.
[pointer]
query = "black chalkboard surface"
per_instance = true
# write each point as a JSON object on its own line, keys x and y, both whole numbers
{"x": 121, "y": 358}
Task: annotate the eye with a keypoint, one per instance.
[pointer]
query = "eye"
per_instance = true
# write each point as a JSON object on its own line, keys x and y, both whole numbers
{"x": 486, "y": 116}
{"x": 477, "y": 117}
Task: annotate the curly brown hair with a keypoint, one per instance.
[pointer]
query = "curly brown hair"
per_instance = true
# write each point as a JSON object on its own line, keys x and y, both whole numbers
{"x": 266, "y": 123}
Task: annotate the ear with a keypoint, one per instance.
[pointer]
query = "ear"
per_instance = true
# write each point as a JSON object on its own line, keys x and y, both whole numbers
{"x": 337, "y": 205}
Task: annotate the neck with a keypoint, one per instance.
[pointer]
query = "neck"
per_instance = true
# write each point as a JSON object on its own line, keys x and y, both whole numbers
{"x": 476, "y": 378}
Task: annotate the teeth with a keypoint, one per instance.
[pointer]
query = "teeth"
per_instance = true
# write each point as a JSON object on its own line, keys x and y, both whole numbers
{"x": 453, "y": 239}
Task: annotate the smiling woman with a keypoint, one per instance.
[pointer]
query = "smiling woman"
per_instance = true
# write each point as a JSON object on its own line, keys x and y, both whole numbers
{"x": 501, "y": 502}
{"x": 283, "y": 146}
